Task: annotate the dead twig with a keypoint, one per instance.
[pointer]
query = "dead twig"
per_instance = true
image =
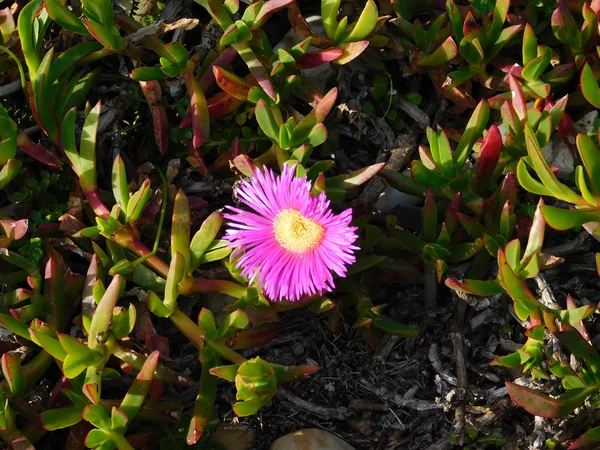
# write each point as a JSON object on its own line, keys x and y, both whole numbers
{"x": 161, "y": 27}
{"x": 339, "y": 413}
{"x": 546, "y": 293}
{"x": 434, "y": 358}
{"x": 403, "y": 402}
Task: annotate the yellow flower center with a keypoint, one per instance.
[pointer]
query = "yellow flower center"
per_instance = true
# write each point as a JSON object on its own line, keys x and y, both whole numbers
{"x": 296, "y": 233}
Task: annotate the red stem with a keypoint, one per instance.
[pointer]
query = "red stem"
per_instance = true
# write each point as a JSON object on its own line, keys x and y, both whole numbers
{"x": 96, "y": 203}
{"x": 154, "y": 261}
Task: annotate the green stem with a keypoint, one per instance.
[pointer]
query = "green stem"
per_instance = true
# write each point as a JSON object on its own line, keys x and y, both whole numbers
{"x": 120, "y": 441}
{"x": 188, "y": 328}
{"x": 196, "y": 335}
{"x": 226, "y": 352}
{"x": 92, "y": 196}
{"x": 202, "y": 286}
{"x": 153, "y": 261}
{"x": 19, "y": 65}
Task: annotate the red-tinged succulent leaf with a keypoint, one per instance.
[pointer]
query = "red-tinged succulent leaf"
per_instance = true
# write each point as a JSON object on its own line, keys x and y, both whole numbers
{"x": 97, "y": 416}
{"x": 315, "y": 59}
{"x": 545, "y": 173}
{"x": 254, "y": 337}
{"x": 268, "y": 9}
{"x": 207, "y": 387}
{"x": 9, "y": 171}
{"x": 7, "y": 24}
{"x": 444, "y": 53}
{"x": 572, "y": 339}
{"x": 575, "y": 315}
{"x": 160, "y": 123}
{"x": 13, "y": 373}
{"x": 450, "y": 88}
{"x": 225, "y": 58}
{"x": 542, "y": 405}
{"x": 225, "y": 372}
{"x": 590, "y": 440}
{"x": 589, "y": 86}
{"x": 473, "y": 130}
{"x": 65, "y": 18}
{"x": 322, "y": 108}
{"x": 20, "y": 442}
{"x": 104, "y": 311}
{"x": 204, "y": 237}
{"x": 107, "y": 36}
{"x": 590, "y": 157}
{"x": 98, "y": 438}
{"x": 54, "y": 291}
{"x": 199, "y": 109}
{"x": 534, "y": 69}
{"x": 14, "y": 229}
{"x": 471, "y": 28}
{"x": 267, "y": 121}
{"x": 148, "y": 74}
{"x": 219, "y": 105}
{"x": 487, "y": 160}
{"x": 536, "y": 235}
{"x": 475, "y": 287}
{"x": 515, "y": 287}
{"x": 565, "y": 219}
{"x": 139, "y": 389}
{"x": 249, "y": 407}
{"x": 518, "y": 99}
{"x": 58, "y": 418}
{"x": 392, "y": 327}
{"x": 571, "y": 306}
{"x": 256, "y": 68}
{"x": 355, "y": 178}
{"x": 38, "y": 152}
{"x": 235, "y": 86}
{"x": 180, "y": 229}
{"x": 244, "y": 165}
{"x": 287, "y": 374}
{"x": 138, "y": 201}
{"x": 351, "y": 50}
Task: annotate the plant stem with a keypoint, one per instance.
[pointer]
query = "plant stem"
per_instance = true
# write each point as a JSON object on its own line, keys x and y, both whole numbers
{"x": 203, "y": 285}
{"x": 120, "y": 441}
{"x": 96, "y": 203}
{"x": 154, "y": 261}
{"x": 188, "y": 328}
{"x": 226, "y": 352}
{"x": 196, "y": 336}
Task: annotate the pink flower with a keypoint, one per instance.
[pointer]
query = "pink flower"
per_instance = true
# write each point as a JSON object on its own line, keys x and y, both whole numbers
{"x": 289, "y": 241}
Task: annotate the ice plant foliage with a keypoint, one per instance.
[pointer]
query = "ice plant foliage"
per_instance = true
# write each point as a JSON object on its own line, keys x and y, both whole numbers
{"x": 289, "y": 241}
{"x": 483, "y": 56}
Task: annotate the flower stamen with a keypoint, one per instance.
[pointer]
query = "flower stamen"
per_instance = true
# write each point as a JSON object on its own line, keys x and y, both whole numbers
{"x": 296, "y": 233}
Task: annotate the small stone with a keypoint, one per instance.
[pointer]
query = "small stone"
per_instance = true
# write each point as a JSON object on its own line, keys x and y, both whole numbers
{"x": 310, "y": 439}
